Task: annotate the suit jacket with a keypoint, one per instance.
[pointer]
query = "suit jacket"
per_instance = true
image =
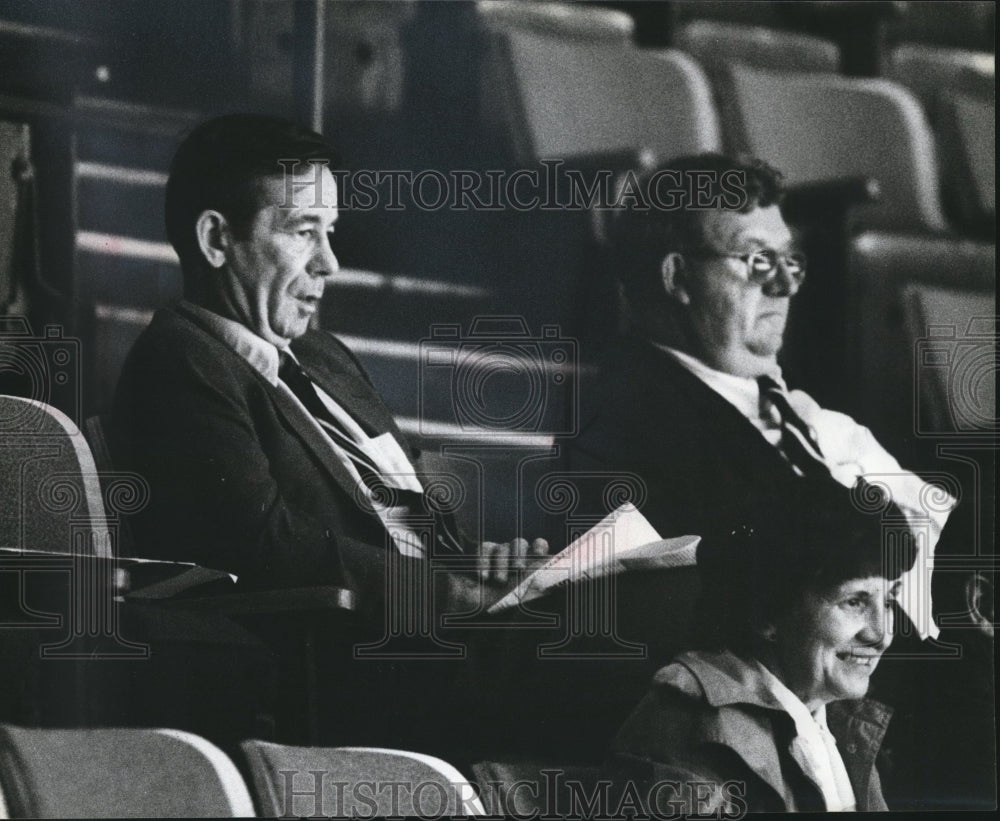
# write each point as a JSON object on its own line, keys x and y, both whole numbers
{"x": 238, "y": 479}
{"x": 710, "y": 721}
{"x": 705, "y": 467}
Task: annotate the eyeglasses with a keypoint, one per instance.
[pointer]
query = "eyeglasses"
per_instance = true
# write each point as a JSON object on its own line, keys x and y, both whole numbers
{"x": 762, "y": 266}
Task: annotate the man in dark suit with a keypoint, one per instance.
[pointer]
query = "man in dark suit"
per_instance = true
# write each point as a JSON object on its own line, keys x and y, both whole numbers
{"x": 268, "y": 451}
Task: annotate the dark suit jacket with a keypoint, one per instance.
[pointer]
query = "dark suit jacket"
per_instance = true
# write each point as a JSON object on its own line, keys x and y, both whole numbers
{"x": 238, "y": 480}
{"x": 706, "y": 468}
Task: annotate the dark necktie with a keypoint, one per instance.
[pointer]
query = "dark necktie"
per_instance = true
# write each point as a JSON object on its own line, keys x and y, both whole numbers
{"x": 798, "y": 440}
{"x": 300, "y": 384}
{"x": 298, "y": 381}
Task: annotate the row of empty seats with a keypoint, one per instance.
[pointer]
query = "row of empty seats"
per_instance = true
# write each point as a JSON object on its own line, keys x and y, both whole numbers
{"x": 165, "y": 773}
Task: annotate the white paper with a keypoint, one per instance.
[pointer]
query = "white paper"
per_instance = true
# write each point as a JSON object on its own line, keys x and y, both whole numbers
{"x": 623, "y": 540}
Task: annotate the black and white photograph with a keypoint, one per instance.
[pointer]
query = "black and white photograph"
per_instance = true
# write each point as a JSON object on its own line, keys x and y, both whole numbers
{"x": 534, "y": 409}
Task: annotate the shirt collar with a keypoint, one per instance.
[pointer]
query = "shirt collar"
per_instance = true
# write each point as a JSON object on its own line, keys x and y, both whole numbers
{"x": 740, "y": 391}
{"x": 791, "y": 703}
{"x": 260, "y": 354}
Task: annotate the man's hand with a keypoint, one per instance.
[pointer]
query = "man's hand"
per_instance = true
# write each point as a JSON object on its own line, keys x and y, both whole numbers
{"x": 497, "y": 566}
{"x": 499, "y": 563}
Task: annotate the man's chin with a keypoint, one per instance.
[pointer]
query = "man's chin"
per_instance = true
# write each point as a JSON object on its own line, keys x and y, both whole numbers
{"x": 750, "y": 364}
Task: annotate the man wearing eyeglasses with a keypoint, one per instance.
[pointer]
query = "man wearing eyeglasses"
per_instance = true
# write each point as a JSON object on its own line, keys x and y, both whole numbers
{"x": 693, "y": 400}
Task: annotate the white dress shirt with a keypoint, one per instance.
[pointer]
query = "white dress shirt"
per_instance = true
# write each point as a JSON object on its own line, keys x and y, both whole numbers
{"x": 851, "y": 451}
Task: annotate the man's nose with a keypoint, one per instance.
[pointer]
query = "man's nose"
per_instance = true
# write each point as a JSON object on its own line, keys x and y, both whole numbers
{"x": 783, "y": 283}
{"x": 324, "y": 262}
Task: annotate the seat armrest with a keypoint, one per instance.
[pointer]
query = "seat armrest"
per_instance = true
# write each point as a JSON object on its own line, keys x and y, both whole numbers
{"x": 263, "y": 602}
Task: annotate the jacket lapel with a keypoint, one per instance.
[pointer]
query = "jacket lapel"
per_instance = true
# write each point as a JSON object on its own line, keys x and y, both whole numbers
{"x": 729, "y": 685}
{"x": 340, "y": 376}
{"x": 714, "y": 413}
{"x": 305, "y": 428}
{"x": 859, "y": 727}
{"x": 309, "y": 432}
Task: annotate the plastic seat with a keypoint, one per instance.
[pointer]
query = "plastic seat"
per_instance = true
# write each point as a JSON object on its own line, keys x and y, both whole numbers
{"x": 714, "y": 40}
{"x": 967, "y": 135}
{"x": 375, "y": 782}
{"x": 952, "y": 333}
{"x": 958, "y": 91}
{"x": 117, "y": 773}
{"x": 930, "y": 72}
{"x": 880, "y": 266}
{"x": 569, "y": 82}
{"x": 817, "y": 127}
{"x": 52, "y": 496}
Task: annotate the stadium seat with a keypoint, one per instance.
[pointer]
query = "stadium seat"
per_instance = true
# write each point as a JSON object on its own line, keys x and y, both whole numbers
{"x": 711, "y": 41}
{"x": 880, "y": 265}
{"x": 952, "y": 334}
{"x": 117, "y": 773}
{"x": 47, "y": 473}
{"x": 569, "y": 82}
{"x": 818, "y": 127}
{"x": 930, "y": 72}
{"x": 958, "y": 91}
{"x": 967, "y": 132}
{"x": 374, "y": 782}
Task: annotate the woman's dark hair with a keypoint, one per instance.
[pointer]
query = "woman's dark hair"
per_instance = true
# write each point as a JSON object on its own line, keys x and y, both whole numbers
{"x": 218, "y": 165}
{"x": 761, "y": 570}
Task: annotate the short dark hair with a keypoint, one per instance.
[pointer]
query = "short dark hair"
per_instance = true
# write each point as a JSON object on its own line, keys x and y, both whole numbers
{"x": 218, "y": 165}
{"x": 758, "y": 572}
{"x": 642, "y": 237}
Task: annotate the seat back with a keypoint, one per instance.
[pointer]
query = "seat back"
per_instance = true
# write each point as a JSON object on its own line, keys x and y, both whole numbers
{"x": 568, "y": 82}
{"x": 117, "y": 773}
{"x": 717, "y": 40}
{"x": 300, "y": 781}
{"x": 967, "y": 132}
{"x": 818, "y": 127}
{"x": 50, "y": 496}
{"x": 930, "y": 72}
{"x": 953, "y": 336}
{"x": 958, "y": 90}
{"x": 531, "y": 789}
{"x": 880, "y": 266}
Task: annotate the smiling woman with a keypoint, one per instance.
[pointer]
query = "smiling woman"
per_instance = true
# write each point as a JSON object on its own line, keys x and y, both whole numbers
{"x": 794, "y": 619}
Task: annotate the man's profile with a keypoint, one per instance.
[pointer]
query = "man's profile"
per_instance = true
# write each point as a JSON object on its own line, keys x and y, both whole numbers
{"x": 268, "y": 451}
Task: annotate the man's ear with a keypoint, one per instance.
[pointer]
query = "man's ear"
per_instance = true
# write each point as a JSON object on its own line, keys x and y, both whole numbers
{"x": 674, "y": 277}
{"x": 212, "y": 232}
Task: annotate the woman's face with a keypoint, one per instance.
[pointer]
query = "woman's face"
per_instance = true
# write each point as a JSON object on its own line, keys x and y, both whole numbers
{"x": 828, "y": 646}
